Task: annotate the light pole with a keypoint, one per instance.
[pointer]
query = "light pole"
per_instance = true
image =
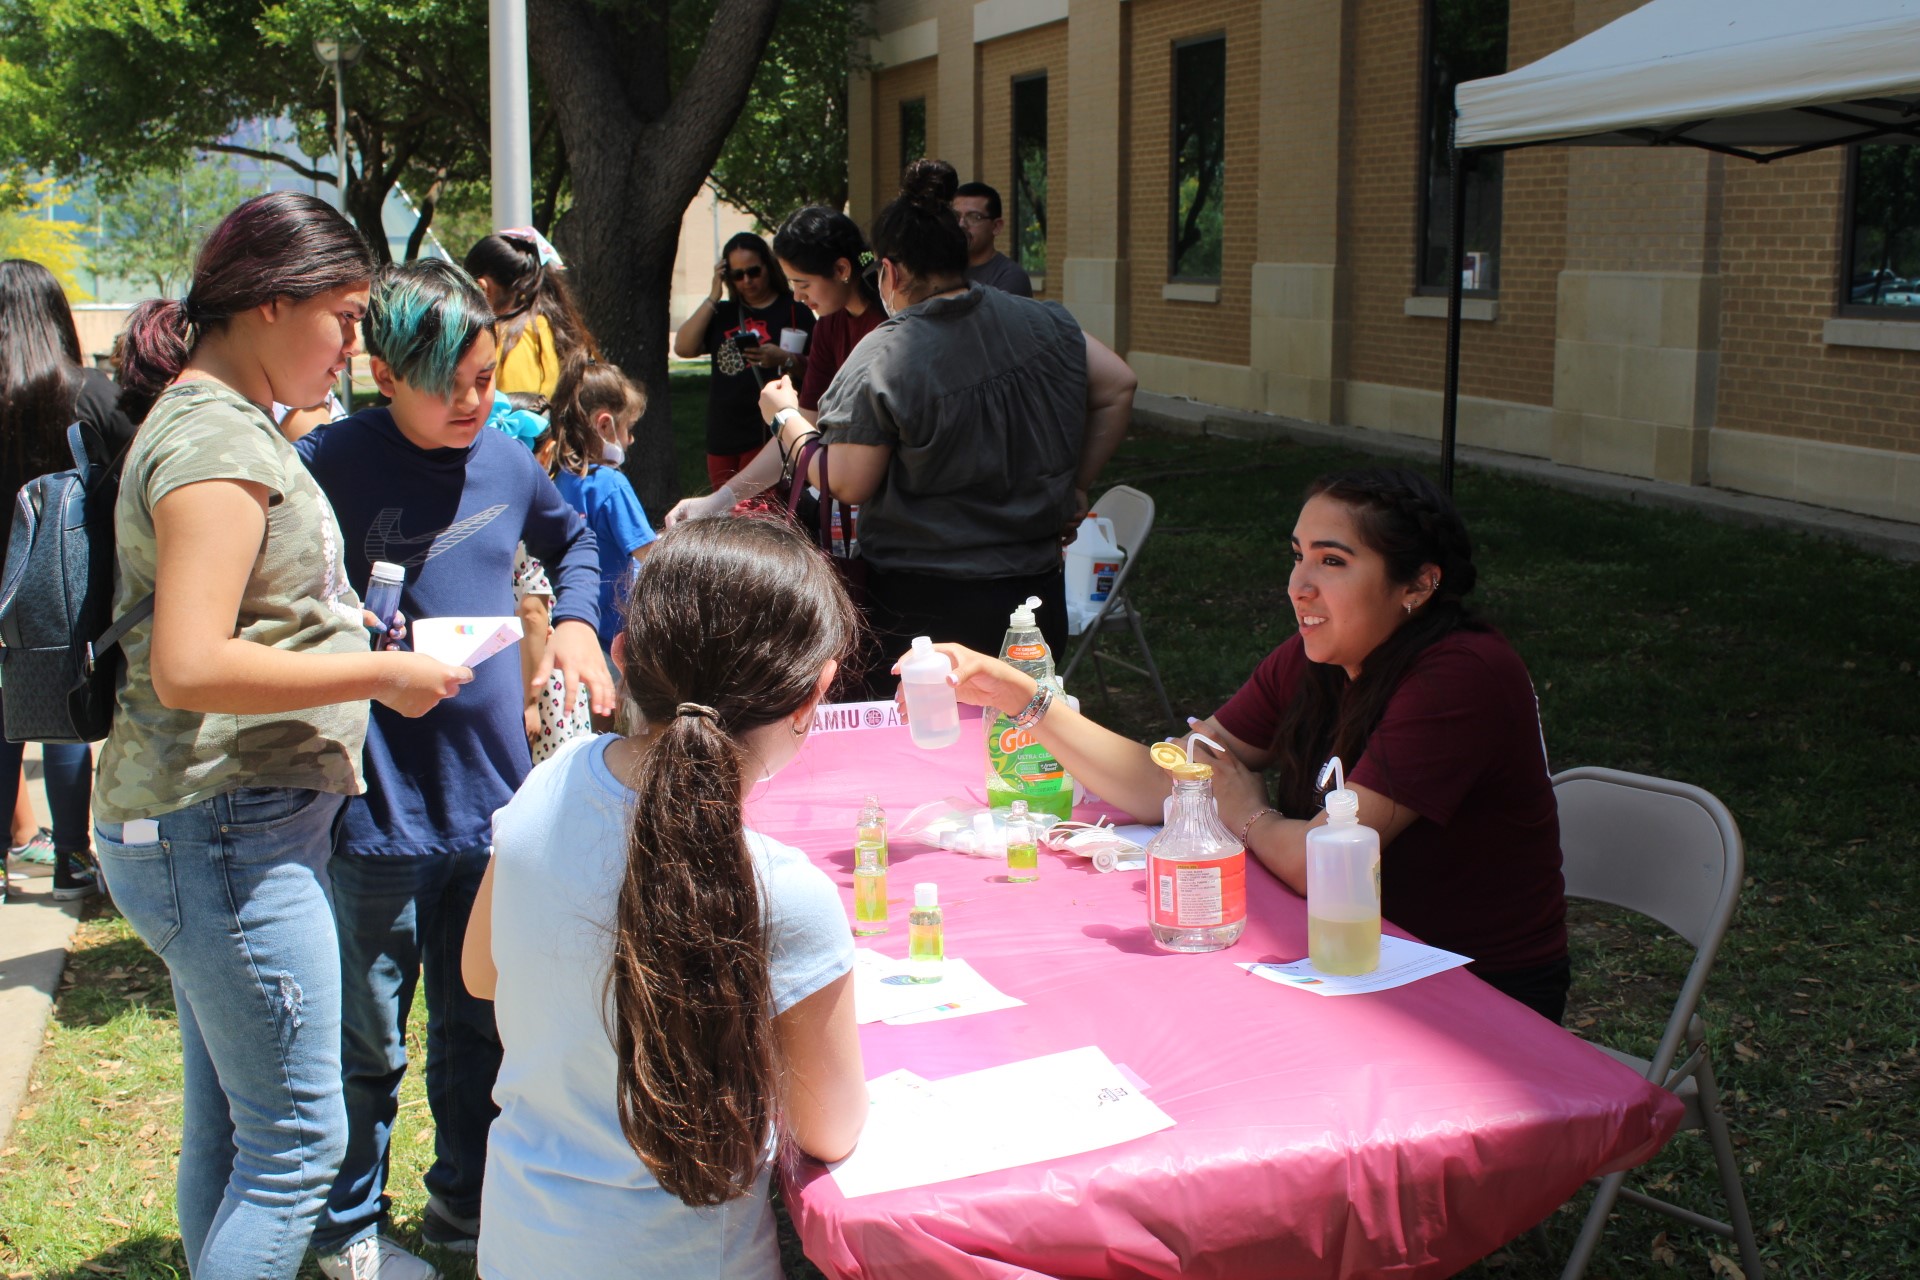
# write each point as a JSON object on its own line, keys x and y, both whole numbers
{"x": 507, "y": 97}
{"x": 337, "y": 51}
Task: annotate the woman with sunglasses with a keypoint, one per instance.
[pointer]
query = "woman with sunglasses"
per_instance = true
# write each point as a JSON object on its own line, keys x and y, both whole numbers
{"x": 741, "y": 332}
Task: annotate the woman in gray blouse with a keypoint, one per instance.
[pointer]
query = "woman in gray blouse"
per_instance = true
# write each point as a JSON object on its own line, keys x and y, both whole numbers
{"x": 969, "y": 427}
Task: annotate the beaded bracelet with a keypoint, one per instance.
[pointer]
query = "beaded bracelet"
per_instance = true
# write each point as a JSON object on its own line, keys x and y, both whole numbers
{"x": 1036, "y": 708}
{"x": 1246, "y": 828}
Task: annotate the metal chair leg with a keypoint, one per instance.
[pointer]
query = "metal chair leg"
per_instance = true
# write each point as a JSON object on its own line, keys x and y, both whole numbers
{"x": 1153, "y": 669}
{"x": 1723, "y": 1155}
{"x": 1594, "y": 1227}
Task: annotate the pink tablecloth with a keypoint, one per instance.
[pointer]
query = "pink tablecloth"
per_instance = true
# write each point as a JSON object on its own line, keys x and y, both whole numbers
{"x": 1404, "y": 1133}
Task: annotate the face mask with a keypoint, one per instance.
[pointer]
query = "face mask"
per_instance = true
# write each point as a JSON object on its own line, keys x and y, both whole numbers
{"x": 612, "y": 454}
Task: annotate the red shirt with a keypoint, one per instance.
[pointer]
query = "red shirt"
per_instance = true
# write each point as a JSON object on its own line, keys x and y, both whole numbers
{"x": 1478, "y": 872}
{"x": 834, "y": 338}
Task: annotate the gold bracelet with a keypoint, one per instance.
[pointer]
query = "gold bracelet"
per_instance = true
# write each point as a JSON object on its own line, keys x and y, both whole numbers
{"x": 1246, "y": 828}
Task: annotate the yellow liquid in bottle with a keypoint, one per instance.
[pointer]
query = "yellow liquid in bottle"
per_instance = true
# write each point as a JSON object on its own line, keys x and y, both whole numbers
{"x": 869, "y": 903}
{"x": 867, "y": 840}
{"x": 1344, "y": 947}
{"x": 926, "y": 945}
{"x": 1023, "y": 862}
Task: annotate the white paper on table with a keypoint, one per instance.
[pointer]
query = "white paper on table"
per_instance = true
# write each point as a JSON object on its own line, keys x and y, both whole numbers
{"x": 1402, "y": 960}
{"x": 462, "y": 642}
{"x": 962, "y": 991}
{"x": 881, "y": 991}
{"x": 998, "y": 1118}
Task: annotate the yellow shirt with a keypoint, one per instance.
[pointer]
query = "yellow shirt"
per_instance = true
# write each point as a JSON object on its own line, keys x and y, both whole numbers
{"x": 531, "y": 363}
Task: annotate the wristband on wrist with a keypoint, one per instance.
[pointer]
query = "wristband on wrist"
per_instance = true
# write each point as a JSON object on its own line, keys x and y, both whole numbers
{"x": 1036, "y": 708}
{"x": 1246, "y": 828}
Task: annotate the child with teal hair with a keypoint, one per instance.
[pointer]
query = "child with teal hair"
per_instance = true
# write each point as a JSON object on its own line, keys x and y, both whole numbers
{"x": 422, "y": 484}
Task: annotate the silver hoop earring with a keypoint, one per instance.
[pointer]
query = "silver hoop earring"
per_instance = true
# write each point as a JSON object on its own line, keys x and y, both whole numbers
{"x": 797, "y": 730}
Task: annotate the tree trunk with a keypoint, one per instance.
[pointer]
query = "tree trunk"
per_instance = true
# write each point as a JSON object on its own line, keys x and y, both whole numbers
{"x": 637, "y": 158}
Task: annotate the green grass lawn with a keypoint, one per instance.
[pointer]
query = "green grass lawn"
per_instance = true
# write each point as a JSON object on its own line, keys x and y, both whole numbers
{"x": 1775, "y": 670}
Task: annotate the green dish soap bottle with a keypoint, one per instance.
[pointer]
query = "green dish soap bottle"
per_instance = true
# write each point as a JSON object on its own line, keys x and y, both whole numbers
{"x": 1018, "y": 767}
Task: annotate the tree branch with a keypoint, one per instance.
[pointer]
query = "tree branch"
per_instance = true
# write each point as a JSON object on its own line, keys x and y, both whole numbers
{"x": 229, "y": 148}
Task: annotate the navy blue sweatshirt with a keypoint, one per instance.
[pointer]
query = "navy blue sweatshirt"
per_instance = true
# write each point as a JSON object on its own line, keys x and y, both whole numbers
{"x": 453, "y": 518}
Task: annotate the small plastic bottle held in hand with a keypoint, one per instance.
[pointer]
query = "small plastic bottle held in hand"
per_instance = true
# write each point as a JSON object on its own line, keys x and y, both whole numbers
{"x": 933, "y": 713}
{"x": 1343, "y": 885}
{"x": 383, "y": 596}
{"x": 926, "y": 935}
{"x": 1196, "y": 868}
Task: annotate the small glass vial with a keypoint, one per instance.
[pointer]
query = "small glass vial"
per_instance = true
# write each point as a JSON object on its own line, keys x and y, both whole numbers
{"x": 926, "y": 935}
{"x": 1023, "y": 846}
{"x": 869, "y": 892}
{"x": 871, "y": 830}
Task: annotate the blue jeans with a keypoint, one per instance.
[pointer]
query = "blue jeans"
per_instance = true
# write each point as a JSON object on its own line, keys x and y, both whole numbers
{"x": 69, "y": 780}
{"x": 233, "y": 895}
{"x": 402, "y": 918}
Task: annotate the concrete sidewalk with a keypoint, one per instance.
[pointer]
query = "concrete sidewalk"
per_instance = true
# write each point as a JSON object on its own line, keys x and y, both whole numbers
{"x": 35, "y": 932}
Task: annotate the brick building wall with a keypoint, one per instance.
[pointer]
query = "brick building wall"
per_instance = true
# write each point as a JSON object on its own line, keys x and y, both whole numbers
{"x": 1663, "y": 313}
{"x": 891, "y": 87}
{"x": 1043, "y": 49}
{"x": 1511, "y": 358}
{"x": 1781, "y": 252}
{"x": 1214, "y": 331}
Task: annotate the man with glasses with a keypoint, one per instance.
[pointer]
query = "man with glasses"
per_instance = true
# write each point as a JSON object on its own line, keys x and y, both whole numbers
{"x": 977, "y": 205}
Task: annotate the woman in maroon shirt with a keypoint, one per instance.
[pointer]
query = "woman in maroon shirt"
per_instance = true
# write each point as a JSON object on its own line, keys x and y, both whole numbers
{"x": 1431, "y": 709}
{"x": 825, "y": 259}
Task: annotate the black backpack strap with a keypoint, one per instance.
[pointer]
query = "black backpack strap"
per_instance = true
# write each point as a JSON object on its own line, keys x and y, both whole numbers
{"x": 121, "y": 625}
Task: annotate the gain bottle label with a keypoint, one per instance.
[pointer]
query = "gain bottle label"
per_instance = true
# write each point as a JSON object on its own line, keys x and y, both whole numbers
{"x": 1018, "y": 767}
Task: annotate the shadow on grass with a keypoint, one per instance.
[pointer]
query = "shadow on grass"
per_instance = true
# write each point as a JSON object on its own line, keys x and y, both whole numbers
{"x": 149, "y": 1256}
{"x": 110, "y": 979}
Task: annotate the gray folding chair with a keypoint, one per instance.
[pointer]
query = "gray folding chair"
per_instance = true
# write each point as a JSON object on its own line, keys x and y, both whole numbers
{"x": 1672, "y": 852}
{"x": 1132, "y": 514}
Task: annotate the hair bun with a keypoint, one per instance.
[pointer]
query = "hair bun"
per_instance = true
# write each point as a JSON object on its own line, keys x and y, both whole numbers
{"x": 930, "y": 181}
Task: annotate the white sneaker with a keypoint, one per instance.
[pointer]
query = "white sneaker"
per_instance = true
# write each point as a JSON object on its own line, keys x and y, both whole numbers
{"x": 375, "y": 1257}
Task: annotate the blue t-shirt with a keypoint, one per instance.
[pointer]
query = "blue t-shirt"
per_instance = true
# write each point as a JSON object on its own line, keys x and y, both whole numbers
{"x": 453, "y": 518}
{"x": 564, "y": 1194}
{"x": 620, "y": 528}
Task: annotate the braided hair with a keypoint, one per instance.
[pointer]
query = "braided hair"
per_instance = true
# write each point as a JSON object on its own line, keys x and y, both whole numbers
{"x": 1403, "y": 517}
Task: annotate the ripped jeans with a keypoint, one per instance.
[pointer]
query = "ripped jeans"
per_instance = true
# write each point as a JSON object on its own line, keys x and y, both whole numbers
{"x": 233, "y": 894}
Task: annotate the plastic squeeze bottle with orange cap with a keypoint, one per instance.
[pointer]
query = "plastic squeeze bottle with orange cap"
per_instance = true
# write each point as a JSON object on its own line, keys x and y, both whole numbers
{"x": 1196, "y": 868}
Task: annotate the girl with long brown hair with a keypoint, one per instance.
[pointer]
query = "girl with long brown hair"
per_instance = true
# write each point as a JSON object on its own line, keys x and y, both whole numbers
{"x": 672, "y": 988}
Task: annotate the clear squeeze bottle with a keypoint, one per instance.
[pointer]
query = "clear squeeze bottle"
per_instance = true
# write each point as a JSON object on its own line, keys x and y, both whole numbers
{"x": 383, "y": 596}
{"x": 1343, "y": 885}
{"x": 933, "y": 713}
{"x": 1018, "y": 767}
{"x": 926, "y": 935}
{"x": 871, "y": 829}
{"x": 1023, "y": 846}
{"x": 869, "y": 891}
{"x": 1196, "y": 868}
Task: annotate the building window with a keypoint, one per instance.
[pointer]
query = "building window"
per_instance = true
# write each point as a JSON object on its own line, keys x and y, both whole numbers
{"x": 1466, "y": 40}
{"x": 913, "y": 131}
{"x": 1030, "y": 173}
{"x": 1199, "y": 150}
{"x": 1883, "y": 231}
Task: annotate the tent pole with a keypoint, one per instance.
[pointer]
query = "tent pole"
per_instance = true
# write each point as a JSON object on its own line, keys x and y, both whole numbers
{"x": 1456, "y": 263}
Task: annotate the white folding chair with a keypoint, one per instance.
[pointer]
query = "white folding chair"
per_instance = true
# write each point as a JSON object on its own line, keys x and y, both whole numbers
{"x": 1132, "y": 514}
{"x": 1672, "y": 852}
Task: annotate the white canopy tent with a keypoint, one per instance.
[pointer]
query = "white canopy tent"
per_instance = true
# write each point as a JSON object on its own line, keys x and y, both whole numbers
{"x": 1759, "y": 79}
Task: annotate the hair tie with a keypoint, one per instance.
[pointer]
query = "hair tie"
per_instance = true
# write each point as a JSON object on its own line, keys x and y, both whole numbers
{"x": 545, "y": 252}
{"x": 866, "y": 257}
{"x": 193, "y": 314}
{"x": 696, "y": 709}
